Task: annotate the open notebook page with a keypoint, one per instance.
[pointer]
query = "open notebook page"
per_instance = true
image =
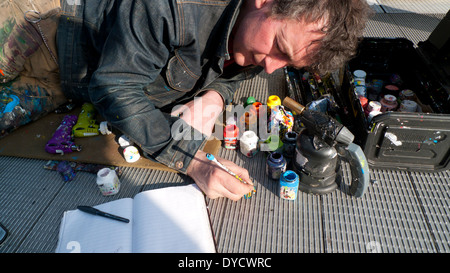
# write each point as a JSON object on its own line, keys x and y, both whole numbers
{"x": 86, "y": 233}
{"x": 173, "y": 219}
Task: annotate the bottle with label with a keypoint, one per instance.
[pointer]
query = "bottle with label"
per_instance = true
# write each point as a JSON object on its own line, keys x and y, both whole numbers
{"x": 273, "y": 102}
{"x": 274, "y": 113}
{"x": 359, "y": 78}
{"x": 131, "y": 154}
{"x": 230, "y": 136}
{"x": 407, "y": 94}
{"x": 388, "y": 103}
{"x": 408, "y": 106}
{"x": 289, "y": 181}
{"x": 249, "y": 143}
{"x": 372, "y": 106}
{"x": 108, "y": 182}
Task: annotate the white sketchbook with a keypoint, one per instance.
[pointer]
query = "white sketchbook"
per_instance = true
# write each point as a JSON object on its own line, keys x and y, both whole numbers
{"x": 167, "y": 220}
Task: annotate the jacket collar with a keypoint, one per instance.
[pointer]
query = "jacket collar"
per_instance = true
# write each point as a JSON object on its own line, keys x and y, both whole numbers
{"x": 233, "y": 8}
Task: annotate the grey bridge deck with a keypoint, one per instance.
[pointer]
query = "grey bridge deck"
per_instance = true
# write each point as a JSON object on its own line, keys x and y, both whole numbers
{"x": 404, "y": 212}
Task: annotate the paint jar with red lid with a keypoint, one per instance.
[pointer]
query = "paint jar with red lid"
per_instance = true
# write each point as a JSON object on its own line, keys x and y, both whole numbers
{"x": 230, "y": 136}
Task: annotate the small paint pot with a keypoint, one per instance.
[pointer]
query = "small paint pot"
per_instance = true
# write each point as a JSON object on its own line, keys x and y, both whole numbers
{"x": 407, "y": 94}
{"x": 275, "y": 165}
{"x": 108, "y": 182}
{"x": 289, "y": 181}
{"x": 408, "y": 106}
{"x": 249, "y": 143}
{"x": 131, "y": 154}
{"x": 388, "y": 103}
{"x": 230, "y": 137}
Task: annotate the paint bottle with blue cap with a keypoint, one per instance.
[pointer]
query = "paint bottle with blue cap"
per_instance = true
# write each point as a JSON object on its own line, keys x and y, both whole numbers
{"x": 289, "y": 185}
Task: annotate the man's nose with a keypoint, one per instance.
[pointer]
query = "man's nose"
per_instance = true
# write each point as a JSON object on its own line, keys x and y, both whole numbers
{"x": 272, "y": 64}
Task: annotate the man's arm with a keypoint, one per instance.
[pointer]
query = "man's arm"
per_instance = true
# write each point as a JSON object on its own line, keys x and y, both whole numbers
{"x": 135, "y": 53}
{"x": 134, "y": 57}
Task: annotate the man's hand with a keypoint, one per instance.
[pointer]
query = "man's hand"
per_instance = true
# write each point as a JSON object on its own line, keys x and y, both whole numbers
{"x": 201, "y": 113}
{"x": 215, "y": 182}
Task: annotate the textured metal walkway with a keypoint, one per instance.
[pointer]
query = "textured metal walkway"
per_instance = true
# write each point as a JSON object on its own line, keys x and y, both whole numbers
{"x": 402, "y": 212}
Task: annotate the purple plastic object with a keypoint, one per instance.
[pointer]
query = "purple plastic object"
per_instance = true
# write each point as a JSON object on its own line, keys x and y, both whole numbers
{"x": 62, "y": 140}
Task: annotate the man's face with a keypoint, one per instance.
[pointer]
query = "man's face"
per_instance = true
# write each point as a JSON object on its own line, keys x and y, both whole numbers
{"x": 270, "y": 43}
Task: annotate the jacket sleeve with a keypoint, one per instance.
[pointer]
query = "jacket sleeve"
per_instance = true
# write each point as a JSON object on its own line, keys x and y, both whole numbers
{"x": 230, "y": 81}
{"x": 132, "y": 57}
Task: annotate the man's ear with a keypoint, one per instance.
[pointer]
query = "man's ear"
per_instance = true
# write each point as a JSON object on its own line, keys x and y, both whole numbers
{"x": 262, "y": 3}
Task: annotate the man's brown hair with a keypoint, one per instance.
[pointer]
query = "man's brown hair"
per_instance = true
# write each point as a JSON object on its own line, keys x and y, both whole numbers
{"x": 344, "y": 26}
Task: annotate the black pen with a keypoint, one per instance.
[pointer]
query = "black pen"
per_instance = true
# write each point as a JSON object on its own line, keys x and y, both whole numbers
{"x": 95, "y": 211}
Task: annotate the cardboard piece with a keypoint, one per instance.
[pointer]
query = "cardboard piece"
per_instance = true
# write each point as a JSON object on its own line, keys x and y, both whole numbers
{"x": 29, "y": 141}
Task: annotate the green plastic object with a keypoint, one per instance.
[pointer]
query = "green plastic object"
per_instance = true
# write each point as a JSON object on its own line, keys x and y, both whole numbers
{"x": 250, "y": 101}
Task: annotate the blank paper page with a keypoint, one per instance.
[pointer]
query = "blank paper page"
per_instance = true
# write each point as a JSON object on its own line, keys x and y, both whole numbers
{"x": 172, "y": 220}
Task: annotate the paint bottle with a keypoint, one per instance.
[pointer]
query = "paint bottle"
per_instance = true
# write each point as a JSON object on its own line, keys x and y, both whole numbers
{"x": 364, "y": 101}
{"x": 273, "y": 102}
{"x": 129, "y": 151}
{"x": 249, "y": 143}
{"x": 408, "y": 106}
{"x": 407, "y": 94}
{"x": 275, "y": 165}
{"x": 230, "y": 136}
{"x": 257, "y": 106}
{"x": 286, "y": 123}
{"x": 124, "y": 141}
{"x": 105, "y": 128}
{"x": 108, "y": 182}
{"x": 131, "y": 154}
{"x": 277, "y": 120}
{"x": 391, "y": 89}
{"x": 388, "y": 103}
{"x": 249, "y": 119}
{"x": 359, "y": 78}
{"x": 372, "y": 106}
{"x": 289, "y": 144}
{"x": 374, "y": 89}
{"x": 373, "y": 109}
{"x": 361, "y": 91}
{"x": 289, "y": 185}
{"x": 249, "y": 101}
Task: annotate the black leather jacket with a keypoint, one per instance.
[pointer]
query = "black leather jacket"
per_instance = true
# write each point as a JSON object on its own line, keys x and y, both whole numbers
{"x": 140, "y": 57}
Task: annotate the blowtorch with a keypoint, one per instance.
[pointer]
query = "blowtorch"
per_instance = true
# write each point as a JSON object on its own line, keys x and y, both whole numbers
{"x": 319, "y": 147}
